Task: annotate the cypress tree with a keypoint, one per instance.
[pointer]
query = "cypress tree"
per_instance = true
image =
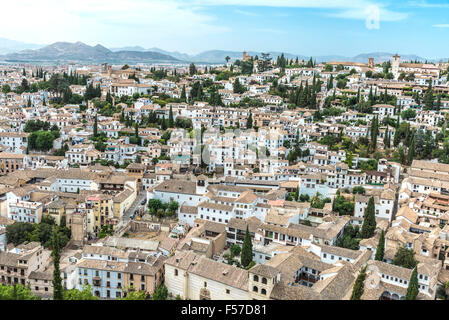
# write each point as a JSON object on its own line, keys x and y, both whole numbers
{"x": 95, "y": 126}
{"x": 56, "y": 253}
{"x": 247, "y": 249}
{"x": 412, "y": 289}
{"x": 380, "y": 250}
{"x": 397, "y": 137}
{"x": 374, "y": 132}
{"x": 387, "y": 138}
{"x": 411, "y": 151}
{"x": 369, "y": 220}
{"x": 249, "y": 121}
{"x": 359, "y": 285}
{"x": 164, "y": 124}
{"x": 171, "y": 122}
{"x": 183, "y": 94}
{"x": 109, "y": 97}
{"x": 428, "y": 99}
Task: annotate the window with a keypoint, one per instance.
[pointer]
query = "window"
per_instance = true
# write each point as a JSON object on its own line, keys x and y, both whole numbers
{"x": 264, "y": 280}
{"x": 228, "y": 291}
{"x": 263, "y": 291}
{"x": 256, "y": 278}
{"x": 255, "y": 289}
{"x": 176, "y": 272}
{"x": 205, "y": 284}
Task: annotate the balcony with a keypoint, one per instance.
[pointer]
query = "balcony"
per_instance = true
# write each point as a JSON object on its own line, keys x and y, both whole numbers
{"x": 97, "y": 281}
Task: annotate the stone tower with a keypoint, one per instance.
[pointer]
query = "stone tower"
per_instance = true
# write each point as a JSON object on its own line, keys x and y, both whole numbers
{"x": 78, "y": 228}
{"x": 395, "y": 65}
{"x": 371, "y": 63}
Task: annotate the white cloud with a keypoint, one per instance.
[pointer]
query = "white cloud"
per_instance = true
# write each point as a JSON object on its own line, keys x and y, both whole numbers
{"x": 246, "y": 13}
{"x": 443, "y": 25}
{"x": 347, "y": 9}
{"x": 110, "y": 21}
{"x": 425, "y": 4}
{"x": 172, "y": 24}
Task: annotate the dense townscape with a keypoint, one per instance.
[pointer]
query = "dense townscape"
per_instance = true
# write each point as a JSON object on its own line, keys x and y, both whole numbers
{"x": 261, "y": 177}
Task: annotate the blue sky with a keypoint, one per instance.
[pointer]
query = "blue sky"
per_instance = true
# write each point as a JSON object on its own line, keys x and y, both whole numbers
{"x": 307, "y": 27}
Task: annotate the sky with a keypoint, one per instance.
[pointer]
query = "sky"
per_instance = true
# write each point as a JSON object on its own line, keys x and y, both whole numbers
{"x": 303, "y": 27}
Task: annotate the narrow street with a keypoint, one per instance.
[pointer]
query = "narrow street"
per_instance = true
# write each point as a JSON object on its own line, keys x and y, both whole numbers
{"x": 136, "y": 205}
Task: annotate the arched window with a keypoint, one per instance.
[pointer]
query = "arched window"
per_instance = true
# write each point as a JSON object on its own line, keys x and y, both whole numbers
{"x": 263, "y": 291}
{"x": 264, "y": 280}
{"x": 256, "y": 278}
{"x": 255, "y": 289}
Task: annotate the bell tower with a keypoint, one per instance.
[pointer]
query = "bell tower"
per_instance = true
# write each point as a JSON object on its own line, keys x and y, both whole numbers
{"x": 395, "y": 65}
{"x": 201, "y": 185}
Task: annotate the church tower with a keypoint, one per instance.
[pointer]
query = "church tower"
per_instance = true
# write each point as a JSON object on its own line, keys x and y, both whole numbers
{"x": 201, "y": 185}
{"x": 395, "y": 65}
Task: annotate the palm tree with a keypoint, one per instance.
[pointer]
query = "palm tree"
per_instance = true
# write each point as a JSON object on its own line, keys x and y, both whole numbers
{"x": 227, "y": 59}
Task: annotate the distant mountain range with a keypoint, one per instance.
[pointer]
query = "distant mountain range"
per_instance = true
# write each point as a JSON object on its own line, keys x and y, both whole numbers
{"x": 218, "y": 56}
{"x": 11, "y": 46}
{"x": 61, "y": 52}
{"x": 80, "y": 52}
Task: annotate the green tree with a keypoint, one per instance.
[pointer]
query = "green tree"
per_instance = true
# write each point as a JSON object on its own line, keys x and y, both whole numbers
{"x": 84, "y": 294}
{"x": 161, "y": 293}
{"x": 183, "y": 94}
{"x": 163, "y": 123}
{"x": 428, "y": 98}
{"x": 171, "y": 122}
{"x": 342, "y": 206}
{"x": 412, "y": 289}
{"x": 238, "y": 87}
{"x": 135, "y": 295}
{"x": 408, "y": 114}
{"x": 411, "y": 151}
{"x": 16, "y": 292}
{"x": 15, "y": 233}
{"x": 405, "y": 258}
{"x": 247, "y": 249}
{"x": 56, "y": 254}
{"x": 6, "y": 89}
{"x": 235, "y": 250}
{"x": 369, "y": 220}
{"x": 359, "y": 285}
{"x": 249, "y": 121}
{"x": 96, "y": 126}
{"x": 358, "y": 190}
{"x": 380, "y": 250}
{"x": 192, "y": 69}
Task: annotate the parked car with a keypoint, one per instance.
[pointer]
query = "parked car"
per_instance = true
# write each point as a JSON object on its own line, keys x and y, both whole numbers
{"x": 144, "y": 201}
